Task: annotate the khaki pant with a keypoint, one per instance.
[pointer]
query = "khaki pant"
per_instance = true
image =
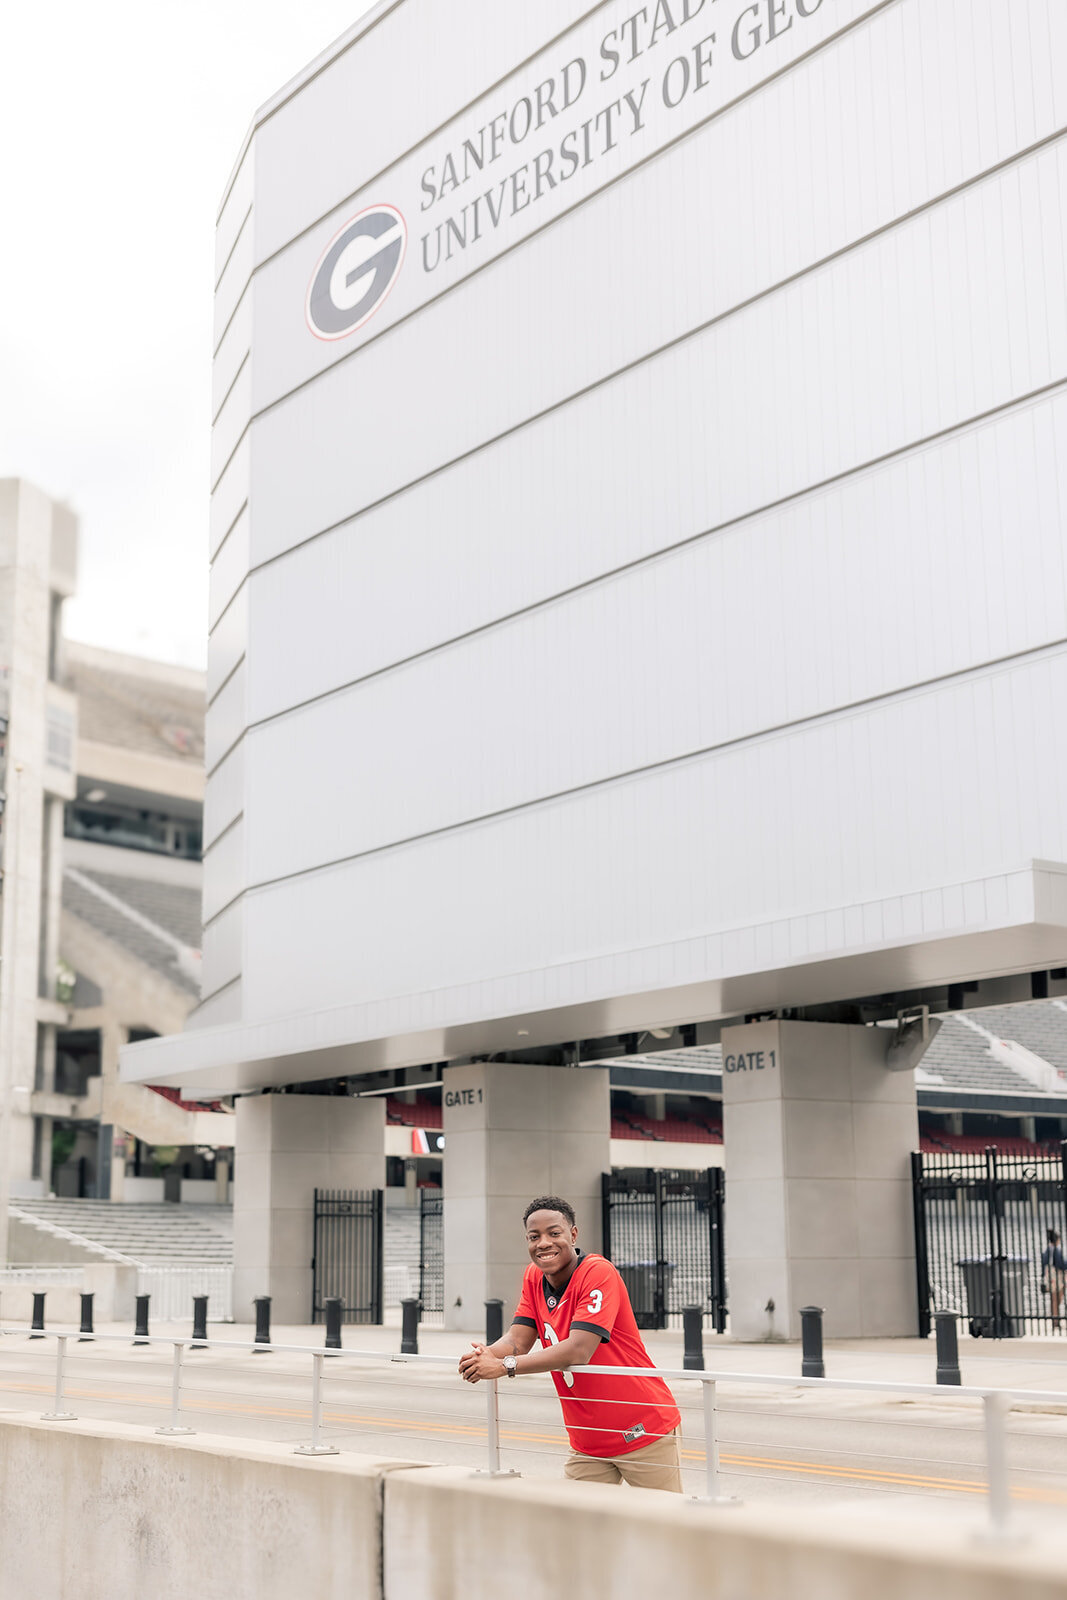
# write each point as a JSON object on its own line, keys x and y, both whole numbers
{"x": 655, "y": 1466}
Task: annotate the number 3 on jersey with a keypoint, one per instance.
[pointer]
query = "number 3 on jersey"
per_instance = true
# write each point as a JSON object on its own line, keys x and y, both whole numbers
{"x": 552, "y": 1337}
{"x": 596, "y": 1300}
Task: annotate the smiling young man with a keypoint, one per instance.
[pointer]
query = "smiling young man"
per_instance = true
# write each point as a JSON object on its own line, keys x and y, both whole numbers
{"x": 622, "y": 1429}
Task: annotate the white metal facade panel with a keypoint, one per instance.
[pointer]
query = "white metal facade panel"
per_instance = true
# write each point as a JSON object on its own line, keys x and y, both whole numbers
{"x": 793, "y": 831}
{"x": 931, "y": 564}
{"x": 229, "y": 640}
{"x": 684, "y": 591}
{"x": 231, "y": 493}
{"x": 397, "y": 83}
{"x": 225, "y": 876}
{"x": 232, "y": 420}
{"x": 228, "y": 568}
{"x": 223, "y": 949}
{"x": 234, "y": 212}
{"x": 225, "y": 798}
{"x": 519, "y": 199}
{"x": 221, "y": 1009}
{"x": 793, "y": 388}
{"x": 231, "y": 354}
{"x": 234, "y": 281}
{"x": 854, "y": 142}
{"x": 226, "y": 718}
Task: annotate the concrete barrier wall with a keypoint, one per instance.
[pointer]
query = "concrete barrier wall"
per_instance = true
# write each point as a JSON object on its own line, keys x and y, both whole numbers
{"x": 451, "y": 1536}
{"x": 113, "y": 1512}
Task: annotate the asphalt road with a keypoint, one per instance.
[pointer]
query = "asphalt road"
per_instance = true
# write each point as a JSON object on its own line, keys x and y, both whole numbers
{"x": 885, "y": 1453}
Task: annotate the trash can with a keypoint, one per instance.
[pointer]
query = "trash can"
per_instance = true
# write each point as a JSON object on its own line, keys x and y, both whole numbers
{"x": 995, "y": 1302}
{"x": 648, "y": 1285}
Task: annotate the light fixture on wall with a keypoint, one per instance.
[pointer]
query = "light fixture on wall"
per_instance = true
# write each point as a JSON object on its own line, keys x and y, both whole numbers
{"x": 914, "y": 1035}
{"x": 94, "y": 796}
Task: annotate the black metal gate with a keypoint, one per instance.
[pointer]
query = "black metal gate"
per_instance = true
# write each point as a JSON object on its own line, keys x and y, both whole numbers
{"x": 431, "y": 1255}
{"x": 346, "y": 1260}
{"x": 981, "y": 1226}
{"x": 664, "y": 1232}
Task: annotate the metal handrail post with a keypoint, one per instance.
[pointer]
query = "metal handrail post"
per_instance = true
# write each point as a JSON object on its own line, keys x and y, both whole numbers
{"x": 175, "y": 1425}
{"x": 492, "y": 1414}
{"x": 58, "y": 1414}
{"x": 711, "y": 1443}
{"x": 493, "y": 1417}
{"x": 316, "y": 1448}
{"x": 996, "y": 1450}
{"x": 712, "y": 1495}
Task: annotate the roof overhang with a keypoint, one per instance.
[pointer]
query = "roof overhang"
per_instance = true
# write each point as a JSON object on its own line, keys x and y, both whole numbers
{"x": 1030, "y": 934}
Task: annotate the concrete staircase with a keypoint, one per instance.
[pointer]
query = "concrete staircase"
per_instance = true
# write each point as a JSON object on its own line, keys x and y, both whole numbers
{"x": 198, "y": 1236}
{"x": 145, "y": 1233}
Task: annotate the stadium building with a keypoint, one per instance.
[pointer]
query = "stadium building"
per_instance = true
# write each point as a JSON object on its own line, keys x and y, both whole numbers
{"x": 638, "y": 608}
{"x": 101, "y": 839}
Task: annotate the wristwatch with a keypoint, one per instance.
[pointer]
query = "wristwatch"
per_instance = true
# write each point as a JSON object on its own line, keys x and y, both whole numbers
{"x": 509, "y": 1366}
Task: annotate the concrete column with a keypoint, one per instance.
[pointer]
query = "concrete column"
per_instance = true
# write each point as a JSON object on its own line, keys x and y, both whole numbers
{"x": 287, "y": 1146}
{"x": 51, "y": 893}
{"x": 46, "y": 1155}
{"x": 222, "y": 1178}
{"x": 112, "y": 1038}
{"x": 511, "y": 1133}
{"x": 818, "y": 1136}
{"x": 119, "y": 1146}
{"x": 1028, "y": 1128}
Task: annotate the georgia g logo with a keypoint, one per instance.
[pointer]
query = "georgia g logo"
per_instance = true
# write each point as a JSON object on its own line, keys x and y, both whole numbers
{"x": 355, "y": 272}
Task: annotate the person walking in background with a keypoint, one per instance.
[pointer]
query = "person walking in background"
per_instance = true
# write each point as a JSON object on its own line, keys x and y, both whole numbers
{"x": 1053, "y": 1274}
{"x": 622, "y": 1430}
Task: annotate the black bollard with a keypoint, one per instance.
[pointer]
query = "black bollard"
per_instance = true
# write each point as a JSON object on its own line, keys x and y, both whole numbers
{"x": 494, "y": 1321}
{"x": 333, "y": 1323}
{"x": 37, "y": 1323}
{"x": 948, "y": 1349}
{"x": 199, "y": 1322}
{"x": 86, "y": 1329}
{"x": 811, "y": 1363}
{"x": 409, "y": 1328}
{"x": 262, "y": 1306}
{"x": 693, "y": 1331}
{"x": 140, "y": 1331}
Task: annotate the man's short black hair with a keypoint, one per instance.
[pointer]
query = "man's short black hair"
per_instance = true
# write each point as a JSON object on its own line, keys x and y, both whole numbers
{"x": 550, "y": 1202}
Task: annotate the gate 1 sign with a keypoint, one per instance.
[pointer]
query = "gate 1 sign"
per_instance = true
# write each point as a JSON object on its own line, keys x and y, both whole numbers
{"x": 752, "y": 1072}
{"x": 750, "y": 1061}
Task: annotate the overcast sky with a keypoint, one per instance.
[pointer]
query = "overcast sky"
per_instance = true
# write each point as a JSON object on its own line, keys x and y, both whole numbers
{"x": 119, "y": 124}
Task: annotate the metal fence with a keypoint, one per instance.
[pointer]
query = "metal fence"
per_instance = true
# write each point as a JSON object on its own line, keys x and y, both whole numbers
{"x": 44, "y": 1276}
{"x": 431, "y": 1255}
{"x": 664, "y": 1232}
{"x": 347, "y": 1257}
{"x": 982, "y": 1222}
{"x": 172, "y": 1289}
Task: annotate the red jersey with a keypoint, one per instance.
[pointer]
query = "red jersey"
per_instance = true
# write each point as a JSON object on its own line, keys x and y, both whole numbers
{"x": 603, "y": 1416}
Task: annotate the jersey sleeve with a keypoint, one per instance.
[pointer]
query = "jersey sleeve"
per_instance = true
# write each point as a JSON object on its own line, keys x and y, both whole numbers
{"x": 526, "y": 1311}
{"x": 598, "y": 1303}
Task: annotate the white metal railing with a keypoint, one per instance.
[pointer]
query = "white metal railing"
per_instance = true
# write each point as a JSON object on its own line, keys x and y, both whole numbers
{"x": 996, "y": 1403}
{"x": 171, "y": 1290}
{"x": 399, "y": 1282}
{"x": 43, "y": 1276}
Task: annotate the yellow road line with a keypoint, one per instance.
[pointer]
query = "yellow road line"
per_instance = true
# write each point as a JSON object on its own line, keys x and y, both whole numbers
{"x": 820, "y": 1469}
